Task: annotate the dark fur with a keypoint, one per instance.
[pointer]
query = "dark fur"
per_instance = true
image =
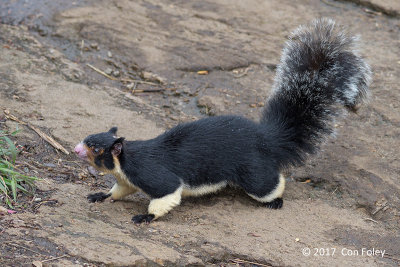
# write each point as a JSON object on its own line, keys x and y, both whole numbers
{"x": 318, "y": 71}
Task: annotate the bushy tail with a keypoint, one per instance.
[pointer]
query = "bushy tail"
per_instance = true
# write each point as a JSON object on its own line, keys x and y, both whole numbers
{"x": 319, "y": 69}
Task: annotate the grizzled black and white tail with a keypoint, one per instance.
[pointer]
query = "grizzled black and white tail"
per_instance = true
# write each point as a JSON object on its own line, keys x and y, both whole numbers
{"x": 320, "y": 69}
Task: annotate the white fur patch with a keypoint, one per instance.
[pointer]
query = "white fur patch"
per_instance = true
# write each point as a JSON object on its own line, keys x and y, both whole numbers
{"x": 123, "y": 187}
{"x": 202, "y": 189}
{"x": 161, "y": 206}
{"x": 118, "y": 191}
{"x": 276, "y": 193}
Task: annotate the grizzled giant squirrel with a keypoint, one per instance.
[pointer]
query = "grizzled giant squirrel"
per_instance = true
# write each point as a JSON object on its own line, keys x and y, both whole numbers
{"x": 319, "y": 71}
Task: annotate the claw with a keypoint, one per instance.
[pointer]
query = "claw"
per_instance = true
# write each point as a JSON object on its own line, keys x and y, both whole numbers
{"x": 275, "y": 204}
{"x": 98, "y": 197}
{"x": 143, "y": 218}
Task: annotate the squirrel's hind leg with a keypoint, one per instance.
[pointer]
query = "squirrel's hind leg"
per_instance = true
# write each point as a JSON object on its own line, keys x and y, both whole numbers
{"x": 272, "y": 198}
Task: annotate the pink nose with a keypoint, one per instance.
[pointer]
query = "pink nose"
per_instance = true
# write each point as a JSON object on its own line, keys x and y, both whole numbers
{"x": 80, "y": 150}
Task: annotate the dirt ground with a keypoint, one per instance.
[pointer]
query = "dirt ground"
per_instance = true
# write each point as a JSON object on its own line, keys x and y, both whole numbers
{"x": 344, "y": 201}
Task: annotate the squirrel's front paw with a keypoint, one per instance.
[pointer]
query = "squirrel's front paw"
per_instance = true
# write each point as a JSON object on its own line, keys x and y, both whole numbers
{"x": 143, "y": 218}
{"x": 98, "y": 197}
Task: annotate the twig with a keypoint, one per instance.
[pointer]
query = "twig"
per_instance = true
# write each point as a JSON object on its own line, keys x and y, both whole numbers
{"x": 49, "y": 139}
{"x": 121, "y": 80}
{"x": 243, "y": 74}
{"x": 379, "y": 208}
{"x": 146, "y": 90}
{"x": 16, "y": 245}
{"x": 56, "y": 258}
{"x": 24, "y": 163}
{"x": 372, "y": 220}
{"x": 138, "y": 81}
{"x": 334, "y": 191}
{"x": 250, "y": 262}
{"x": 46, "y": 137}
{"x": 101, "y": 72}
{"x": 36, "y": 207}
{"x": 82, "y": 46}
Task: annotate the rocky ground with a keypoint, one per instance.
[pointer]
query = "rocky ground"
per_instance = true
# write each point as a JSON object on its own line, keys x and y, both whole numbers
{"x": 165, "y": 62}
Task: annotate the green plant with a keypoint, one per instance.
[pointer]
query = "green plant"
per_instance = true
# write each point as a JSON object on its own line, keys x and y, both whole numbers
{"x": 11, "y": 179}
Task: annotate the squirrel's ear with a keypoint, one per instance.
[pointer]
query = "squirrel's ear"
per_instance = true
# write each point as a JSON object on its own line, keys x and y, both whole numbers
{"x": 113, "y": 130}
{"x": 116, "y": 148}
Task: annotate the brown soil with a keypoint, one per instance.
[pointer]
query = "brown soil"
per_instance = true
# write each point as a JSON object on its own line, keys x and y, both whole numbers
{"x": 346, "y": 197}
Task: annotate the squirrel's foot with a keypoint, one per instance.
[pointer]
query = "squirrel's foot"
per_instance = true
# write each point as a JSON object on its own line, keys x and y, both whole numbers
{"x": 143, "y": 218}
{"x": 275, "y": 204}
{"x": 98, "y": 197}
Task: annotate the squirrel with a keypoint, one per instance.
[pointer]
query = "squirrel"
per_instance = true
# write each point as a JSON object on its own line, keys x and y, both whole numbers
{"x": 319, "y": 71}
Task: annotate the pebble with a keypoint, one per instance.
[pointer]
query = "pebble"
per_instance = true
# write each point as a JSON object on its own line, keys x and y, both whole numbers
{"x": 50, "y": 165}
{"x": 109, "y": 54}
{"x": 37, "y": 199}
{"x": 94, "y": 45}
{"x": 108, "y": 71}
{"x": 92, "y": 170}
{"x": 116, "y": 73}
{"x": 130, "y": 86}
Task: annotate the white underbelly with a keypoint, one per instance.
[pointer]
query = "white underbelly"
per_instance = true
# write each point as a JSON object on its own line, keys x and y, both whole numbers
{"x": 202, "y": 189}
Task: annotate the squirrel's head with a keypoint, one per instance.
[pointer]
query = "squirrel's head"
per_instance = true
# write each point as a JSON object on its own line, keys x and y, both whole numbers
{"x": 101, "y": 150}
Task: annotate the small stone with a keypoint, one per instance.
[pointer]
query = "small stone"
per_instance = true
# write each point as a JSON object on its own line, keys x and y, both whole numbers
{"x": 37, "y": 199}
{"x": 109, "y": 54}
{"x": 130, "y": 86}
{"x": 94, "y": 45}
{"x": 153, "y": 77}
{"x": 92, "y": 171}
{"x": 49, "y": 165}
{"x": 116, "y": 73}
{"x": 108, "y": 71}
{"x": 253, "y": 105}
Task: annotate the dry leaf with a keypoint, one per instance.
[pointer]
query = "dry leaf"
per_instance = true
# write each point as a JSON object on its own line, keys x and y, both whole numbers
{"x": 37, "y": 263}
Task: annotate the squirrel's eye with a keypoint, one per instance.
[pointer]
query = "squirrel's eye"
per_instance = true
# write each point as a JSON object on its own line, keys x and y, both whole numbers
{"x": 96, "y": 150}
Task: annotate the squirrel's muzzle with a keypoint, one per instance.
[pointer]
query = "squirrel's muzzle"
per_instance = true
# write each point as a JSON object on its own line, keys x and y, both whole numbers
{"x": 81, "y": 151}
